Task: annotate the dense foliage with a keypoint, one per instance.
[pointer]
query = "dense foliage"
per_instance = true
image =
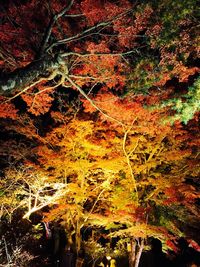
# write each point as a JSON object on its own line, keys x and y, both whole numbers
{"x": 99, "y": 120}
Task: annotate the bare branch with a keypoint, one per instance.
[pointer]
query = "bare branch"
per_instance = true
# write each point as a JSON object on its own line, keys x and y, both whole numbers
{"x": 88, "y": 32}
{"x": 74, "y": 15}
{"x": 92, "y": 209}
{"x": 127, "y": 155}
{"x": 51, "y": 24}
{"x": 92, "y": 102}
{"x": 63, "y": 55}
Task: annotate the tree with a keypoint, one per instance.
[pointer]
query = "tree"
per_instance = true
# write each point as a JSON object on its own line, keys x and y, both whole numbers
{"x": 101, "y": 174}
{"x": 81, "y": 143}
{"x": 75, "y": 47}
{"x": 53, "y": 57}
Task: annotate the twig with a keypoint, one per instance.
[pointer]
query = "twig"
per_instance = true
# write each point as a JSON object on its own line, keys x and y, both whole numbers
{"x": 97, "y": 199}
{"x": 74, "y": 15}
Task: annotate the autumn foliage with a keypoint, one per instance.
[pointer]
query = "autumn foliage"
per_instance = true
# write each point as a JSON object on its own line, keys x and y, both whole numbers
{"x": 107, "y": 135}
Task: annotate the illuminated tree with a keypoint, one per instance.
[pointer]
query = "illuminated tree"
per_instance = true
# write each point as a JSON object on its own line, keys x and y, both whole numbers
{"x": 88, "y": 92}
{"x": 93, "y": 45}
{"x": 111, "y": 175}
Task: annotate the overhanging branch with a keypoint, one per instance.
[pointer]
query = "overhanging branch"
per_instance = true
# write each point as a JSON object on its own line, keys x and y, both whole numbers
{"x": 23, "y": 77}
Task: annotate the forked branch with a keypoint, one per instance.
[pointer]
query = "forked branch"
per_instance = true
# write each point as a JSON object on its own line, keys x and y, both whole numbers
{"x": 51, "y": 24}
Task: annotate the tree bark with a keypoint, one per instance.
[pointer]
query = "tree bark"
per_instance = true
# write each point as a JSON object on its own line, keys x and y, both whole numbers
{"x": 139, "y": 253}
{"x": 23, "y": 77}
{"x": 132, "y": 253}
{"x": 135, "y": 253}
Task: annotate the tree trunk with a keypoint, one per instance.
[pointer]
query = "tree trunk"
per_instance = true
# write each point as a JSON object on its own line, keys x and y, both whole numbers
{"x": 132, "y": 253}
{"x": 135, "y": 253}
{"x": 23, "y": 77}
{"x": 139, "y": 253}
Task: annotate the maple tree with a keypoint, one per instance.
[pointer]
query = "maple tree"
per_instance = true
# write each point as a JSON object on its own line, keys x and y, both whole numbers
{"x": 93, "y": 94}
{"x": 89, "y": 174}
{"x": 96, "y": 50}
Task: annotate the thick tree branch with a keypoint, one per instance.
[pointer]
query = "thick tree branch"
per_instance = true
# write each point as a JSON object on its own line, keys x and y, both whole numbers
{"x": 30, "y": 74}
{"x": 25, "y": 77}
{"x": 22, "y": 79}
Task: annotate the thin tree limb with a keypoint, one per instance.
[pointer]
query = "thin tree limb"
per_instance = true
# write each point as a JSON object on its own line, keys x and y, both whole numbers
{"x": 51, "y": 24}
{"x": 89, "y": 30}
{"x": 129, "y": 163}
{"x": 92, "y": 102}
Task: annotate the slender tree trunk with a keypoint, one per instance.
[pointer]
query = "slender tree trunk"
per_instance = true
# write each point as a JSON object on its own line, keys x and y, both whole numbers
{"x": 132, "y": 253}
{"x": 139, "y": 253}
{"x": 136, "y": 252}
